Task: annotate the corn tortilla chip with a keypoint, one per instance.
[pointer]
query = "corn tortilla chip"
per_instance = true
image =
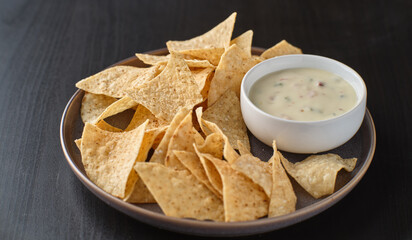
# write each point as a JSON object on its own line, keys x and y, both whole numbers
{"x": 113, "y": 81}
{"x": 211, "y": 171}
{"x": 108, "y": 158}
{"x": 159, "y": 154}
{"x": 107, "y": 127}
{"x": 229, "y": 73}
{"x": 141, "y": 115}
{"x": 226, "y": 114}
{"x": 93, "y": 105}
{"x": 192, "y": 162}
{"x": 243, "y": 150}
{"x": 171, "y": 90}
{"x": 243, "y": 199}
{"x": 281, "y": 48}
{"x": 182, "y": 139}
{"x": 244, "y": 42}
{"x": 258, "y": 171}
{"x": 140, "y": 193}
{"x": 228, "y": 152}
{"x": 212, "y": 145}
{"x": 117, "y": 107}
{"x": 212, "y": 55}
{"x": 179, "y": 193}
{"x": 201, "y": 77}
{"x": 218, "y": 37}
{"x": 283, "y": 198}
{"x": 317, "y": 173}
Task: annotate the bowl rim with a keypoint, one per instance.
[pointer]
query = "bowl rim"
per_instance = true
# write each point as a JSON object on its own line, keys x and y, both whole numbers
{"x": 362, "y": 99}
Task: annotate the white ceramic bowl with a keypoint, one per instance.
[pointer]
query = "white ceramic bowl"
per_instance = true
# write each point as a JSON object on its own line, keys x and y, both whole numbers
{"x": 303, "y": 136}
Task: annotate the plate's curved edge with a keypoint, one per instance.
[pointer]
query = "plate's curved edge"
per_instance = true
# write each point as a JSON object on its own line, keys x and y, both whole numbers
{"x": 203, "y": 228}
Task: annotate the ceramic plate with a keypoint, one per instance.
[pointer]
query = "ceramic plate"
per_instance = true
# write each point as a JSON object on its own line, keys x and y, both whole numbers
{"x": 362, "y": 146}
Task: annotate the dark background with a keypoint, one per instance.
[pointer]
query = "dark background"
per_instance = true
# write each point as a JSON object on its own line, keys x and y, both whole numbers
{"x": 47, "y": 46}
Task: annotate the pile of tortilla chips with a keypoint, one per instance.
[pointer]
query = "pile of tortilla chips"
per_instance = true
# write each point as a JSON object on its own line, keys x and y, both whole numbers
{"x": 179, "y": 149}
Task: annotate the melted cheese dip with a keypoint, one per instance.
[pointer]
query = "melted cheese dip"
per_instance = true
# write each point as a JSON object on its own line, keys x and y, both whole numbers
{"x": 303, "y": 94}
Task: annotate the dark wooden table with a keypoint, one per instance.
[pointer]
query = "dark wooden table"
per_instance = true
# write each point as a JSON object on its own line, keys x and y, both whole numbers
{"x": 46, "y": 46}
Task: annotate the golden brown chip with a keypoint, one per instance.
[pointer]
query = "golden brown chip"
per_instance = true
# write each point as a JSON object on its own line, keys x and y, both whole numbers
{"x": 93, "y": 105}
{"x": 107, "y": 127}
{"x": 201, "y": 77}
{"x": 192, "y": 162}
{"x": 182, "y": 139}
{"x": 283, "y": 198}
{"x": 179, "y": 193}
{"x": 218, "y": 37}
{"x": 317, "y": 173}
{"x": 243, "y": 199}
{"x": 212, "y": 145}
{"x": 229, "y": 73}
{"x": 152, "y": 59}
{"x": 139, "y": 192}
{"x": 244, "y": 42}
{"x": 226, "y": 113}
{"x": 141, "y": 115}
{"x": 117, "y": 107}
{"x": 159, "y": 154}
{"x": 113, "y": 81}
{"x": 210, "y": 54}
{"x": 211, "y": 171}
{"x": 258, "y": 171}
{"x": 243, "y": 150}
{"x": 171, "y": 90}
{"x": 228, "y": 152}
{"x": 282, "y": 48}
{"x": 78, "y": 143}
{"x": 108, "y": 158}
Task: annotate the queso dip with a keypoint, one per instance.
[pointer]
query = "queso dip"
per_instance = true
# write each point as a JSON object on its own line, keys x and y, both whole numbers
{"x": 303, "y": 94}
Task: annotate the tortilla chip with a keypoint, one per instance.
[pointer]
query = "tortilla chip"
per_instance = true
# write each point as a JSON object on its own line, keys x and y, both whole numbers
{"x": 258, "y": 171}
{"x": 107, "y": 127}
{"x": 141, "y": 115}
{"x": 159, "y": 154}
{"x": 281, "y": 48}
{"x": 218, "y": 37}
{"x": 212, "y": 55}
{"x": 229, "y": 73}
{"x": 182, "y": 139}
{"x": 317, "y": 173}
{"x": 211, "y": 171}
{"x": 93, "y": 105}
{"x": 171, "y": 90}
{"x": 227, "y": 115}
{"x": 108, "y": 158}
{"x": 140, "y": 193}
{"x": 243, "y": 150}
{"x": 113, "y": 81}
{"x": 243, "y": 199}
{"x": 201, "y": 76}
{"x": 228, "y": 152}
{"x": 244, "y": 42}
{"x": 192, "y": 162}
{"x": 212, "y": 145}
{"x": 152, "y": 59}
{"x": 283, "y": 198}
{"x": 78, "y": 143}
{"x": 117, "y": 107}
{"x": 179, "y": 193}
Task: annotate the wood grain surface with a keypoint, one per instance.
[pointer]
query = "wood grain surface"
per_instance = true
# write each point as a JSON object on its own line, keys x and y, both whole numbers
{"x": 46, "y": 46}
